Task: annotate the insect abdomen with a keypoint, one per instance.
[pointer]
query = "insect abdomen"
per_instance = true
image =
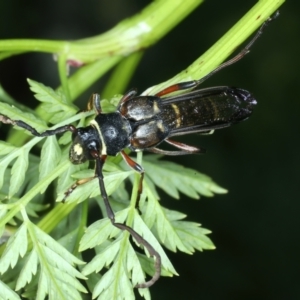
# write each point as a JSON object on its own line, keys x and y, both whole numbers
{"x": 207, "y": 109}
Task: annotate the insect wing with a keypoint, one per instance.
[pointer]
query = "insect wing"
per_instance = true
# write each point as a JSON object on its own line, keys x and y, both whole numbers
{"x": 207, "y": 109}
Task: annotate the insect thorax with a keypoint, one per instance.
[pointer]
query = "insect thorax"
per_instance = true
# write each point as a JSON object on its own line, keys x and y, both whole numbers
{"x": 114, "y": 132}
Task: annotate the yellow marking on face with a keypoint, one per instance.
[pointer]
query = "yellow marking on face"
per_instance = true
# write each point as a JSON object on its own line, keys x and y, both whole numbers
{"x": 177, "y": 113}
{"x": 78, "y": 149}
{"x": 96, "y": 125}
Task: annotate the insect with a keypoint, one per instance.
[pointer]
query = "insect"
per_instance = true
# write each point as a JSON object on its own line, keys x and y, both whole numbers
{"x": 144, "y": 122}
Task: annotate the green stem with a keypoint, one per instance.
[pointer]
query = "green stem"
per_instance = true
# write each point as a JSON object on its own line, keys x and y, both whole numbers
{"x": 130, "y": 35}
{"x": 63, "y": 76}
{"x": 225, "y": 46}
{"x": 134, "y": 193}
{"x": 34, "y": 191}
{"x": 82, "y": 225}
{"x": 121, "y": 75}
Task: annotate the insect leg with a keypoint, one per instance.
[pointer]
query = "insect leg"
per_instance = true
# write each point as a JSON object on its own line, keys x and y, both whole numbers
{"x": 6, "y": 120}
{"x": 130, "y": 94}
{"x": 166, "y": 152}
{"x": 184, "y": 149}
{"x": 99, "y": 165}
{"x": 94, "y": 101}
{"x": 151, "y": 250}
{"x": 187, "y": 148}
{"x": 194, "y": 83}
{"x": 75, "y": 185}
{"x": 94, "y": 104}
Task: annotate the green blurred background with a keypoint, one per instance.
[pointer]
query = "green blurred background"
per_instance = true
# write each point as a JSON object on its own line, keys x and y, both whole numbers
{"x": 256, "y": 225}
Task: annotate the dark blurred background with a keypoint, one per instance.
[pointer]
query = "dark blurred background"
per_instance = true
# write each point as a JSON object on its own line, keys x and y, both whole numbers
{"x": 256, "y": 225}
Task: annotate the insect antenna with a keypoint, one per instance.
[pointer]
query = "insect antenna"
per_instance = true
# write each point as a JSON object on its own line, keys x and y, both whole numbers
{"x": 6, "y": 120}
{"x": 242, "y": 53}
{"x": 194, "y": 83}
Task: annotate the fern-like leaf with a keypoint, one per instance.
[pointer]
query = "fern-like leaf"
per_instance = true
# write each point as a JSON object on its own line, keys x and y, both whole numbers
{"x": 18, "y": 171}
{"x": 53, "y": 102}
{"x": 191, "y": 234}
{"x": 16, "y": 246}
{"x": 50, "y": 156}
{"x": 173, "y": 233}
{"x": 6, "y": 293}
{"x": 57, "y": 275}
{"x": 174, "y": 178}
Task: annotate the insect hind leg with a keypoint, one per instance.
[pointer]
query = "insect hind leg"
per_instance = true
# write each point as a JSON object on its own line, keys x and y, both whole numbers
{"x": 184, "y": 149}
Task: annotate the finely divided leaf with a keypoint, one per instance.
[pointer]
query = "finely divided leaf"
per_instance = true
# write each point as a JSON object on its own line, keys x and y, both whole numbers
{"x": 18, "y": 171}
{"x": 6, "y": 293}
{"x": 191, "y": 234}
{"x": 174, "y": 178}
{"x": 57, "y": 285}
{"x": 50, "y": 157}
{"x": 6, "y": 148}
{"x": 115, "y": 283}
{"x": 141, "y": 227}
{"x": 124, "y": 263}
{"x": 100, "y": 231}
{"x": 29, "y": 269}
{"x": 155, "y": 216}
{"x": 16, "y": 245}
{"x": 53, "y": 102}
{"x": 103, "y": 259}
{"x": 173, "y": 233}
{"x": 112, "y": 181}
{"x": 43, "y": 238}
{"x": 3, "y": 165}
{"x": 58, "y": 276}
{"x": 65, "y": 179}
{"x": 20, "y": 165}
{"x": 134, "y": 265}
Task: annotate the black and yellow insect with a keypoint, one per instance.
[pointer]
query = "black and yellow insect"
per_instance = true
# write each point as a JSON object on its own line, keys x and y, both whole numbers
{"x": 145, "y": 122}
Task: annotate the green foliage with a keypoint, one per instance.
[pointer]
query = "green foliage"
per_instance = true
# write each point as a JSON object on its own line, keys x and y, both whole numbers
{"x": 44, "y": 264}
{"x": 48, "y": 260}
{"x": 35, "y": 264}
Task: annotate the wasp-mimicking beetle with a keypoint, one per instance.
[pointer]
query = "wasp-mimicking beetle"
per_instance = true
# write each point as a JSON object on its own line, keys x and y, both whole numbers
{"x": 144, "y": 122}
